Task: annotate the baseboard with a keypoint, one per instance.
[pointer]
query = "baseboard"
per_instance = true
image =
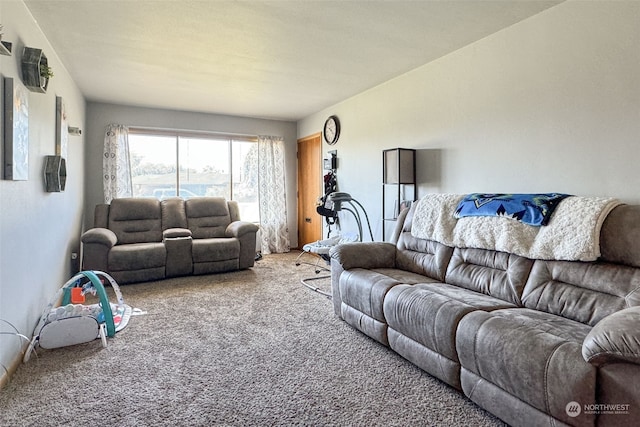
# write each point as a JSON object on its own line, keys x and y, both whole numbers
{"x": 13, "y": 366}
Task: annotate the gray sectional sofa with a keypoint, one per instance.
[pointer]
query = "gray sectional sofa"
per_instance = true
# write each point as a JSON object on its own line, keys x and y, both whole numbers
{"x": 535, "y": 342}
{"x": 142, "y": 239}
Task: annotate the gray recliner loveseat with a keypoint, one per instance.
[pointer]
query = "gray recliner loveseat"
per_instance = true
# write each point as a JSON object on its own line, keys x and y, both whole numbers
{"x": 142, "y": 239}
{"x": 535, "y": 342}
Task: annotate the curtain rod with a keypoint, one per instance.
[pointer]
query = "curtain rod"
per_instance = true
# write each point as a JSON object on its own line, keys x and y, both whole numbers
{"x": 195, "y": 133}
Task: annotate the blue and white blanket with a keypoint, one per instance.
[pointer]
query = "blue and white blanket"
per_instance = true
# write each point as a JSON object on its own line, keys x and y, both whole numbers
{"x": 572, "y": 234}
{"x": 532, "y": 209}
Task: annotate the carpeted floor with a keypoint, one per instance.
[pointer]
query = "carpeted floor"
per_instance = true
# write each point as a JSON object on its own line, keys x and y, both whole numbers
{"x": 249, "y": 348}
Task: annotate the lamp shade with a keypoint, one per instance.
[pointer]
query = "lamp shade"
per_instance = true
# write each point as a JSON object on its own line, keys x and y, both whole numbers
{"x": 399, "y": 166}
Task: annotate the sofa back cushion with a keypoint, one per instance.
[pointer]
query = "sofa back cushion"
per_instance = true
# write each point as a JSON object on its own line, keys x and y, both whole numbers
{"x": 207, "y": 217}
{"x": 582, "y": 291}
{"x": 498, "y": 274}
{"x": 101, "y": 216}
{"x": 620, "y": 236}
{"x": 420, "y": 256}
{"x": 173, "y": 213}
{"x": 234, "y": 210}
{"x": 136, "y": 220}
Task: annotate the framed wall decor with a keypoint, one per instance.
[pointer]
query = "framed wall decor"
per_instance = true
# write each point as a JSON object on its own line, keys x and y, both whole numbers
{"x": 35, "y": 70}
{"x": 62, "y": 128}
{"x": 55, "y": 173}
{"x": 16, "y": 130}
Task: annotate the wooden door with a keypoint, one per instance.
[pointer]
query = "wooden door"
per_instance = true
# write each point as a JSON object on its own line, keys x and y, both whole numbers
{"x": 309, "y": 189}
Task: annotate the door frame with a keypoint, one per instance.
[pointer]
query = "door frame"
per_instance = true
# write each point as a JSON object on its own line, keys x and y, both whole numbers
{"x": 315, "y": 138}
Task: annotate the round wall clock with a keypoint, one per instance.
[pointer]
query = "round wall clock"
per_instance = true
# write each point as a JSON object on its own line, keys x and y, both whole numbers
{"x": 331, "y": 130}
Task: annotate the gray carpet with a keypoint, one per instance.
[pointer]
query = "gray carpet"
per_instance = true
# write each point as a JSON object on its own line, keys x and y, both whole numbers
{"x": 237, "y": 349}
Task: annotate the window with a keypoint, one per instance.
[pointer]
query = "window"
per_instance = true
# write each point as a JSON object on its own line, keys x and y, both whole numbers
{"x": 189, "y": 165}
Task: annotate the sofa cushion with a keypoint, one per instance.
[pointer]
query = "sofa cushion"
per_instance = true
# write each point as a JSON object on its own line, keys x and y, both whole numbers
{"x": 532, "y": 355}
{"x": 219, "y": 249}
{"x": 423, "y": 257}
{"x": 584, "y": 292}
{"x": 403, "y": 276}
{"x": 101, "y": 216}
{"x": 420, "y": 256}
{"x": 137, "y": 256}
{"x": 497, "y": 274}
{"x": 364, "y": 290}
{"x": 136, "y": 220}
{"x": 429, "y": 313}
{"x": 475, "y": 299}
{"x": 620, "y": 236}
{"x": 207, "y": 217}
{"x": 173, "y": 213}
{"x": 423, "y": 319}
{"x": 234, "y": 210}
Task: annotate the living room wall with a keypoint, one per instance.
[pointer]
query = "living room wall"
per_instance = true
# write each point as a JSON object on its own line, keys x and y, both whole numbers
{"x": 99, "y": 115}
{"x": 550, "y": 104}
{"x": 38, "y": 230}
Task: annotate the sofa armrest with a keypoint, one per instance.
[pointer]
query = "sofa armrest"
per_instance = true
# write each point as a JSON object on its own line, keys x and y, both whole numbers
{"x": 97, "y": 245}
{"x": 364, "y": 255}
{"x": 240, "y": 228}
{"x": 173, "y": 233}
{"x": 245, "y": 232}
{"x": 102, "y": 236}
{"x": 616, "y": 338}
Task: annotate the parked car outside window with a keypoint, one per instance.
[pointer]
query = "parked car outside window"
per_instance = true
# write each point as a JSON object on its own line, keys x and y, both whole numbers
{"x": 164, "y": 193}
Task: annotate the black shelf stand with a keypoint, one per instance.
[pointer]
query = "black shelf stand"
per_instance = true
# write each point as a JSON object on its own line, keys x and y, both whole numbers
{"x": 399, "y": 180}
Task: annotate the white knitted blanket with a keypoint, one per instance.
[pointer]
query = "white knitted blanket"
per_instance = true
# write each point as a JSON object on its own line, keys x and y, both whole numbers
{"x": 573, "y": 233}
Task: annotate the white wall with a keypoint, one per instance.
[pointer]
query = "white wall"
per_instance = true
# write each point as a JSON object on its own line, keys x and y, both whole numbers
{"x": 38, "y": 230}
{"x": 99, "y": 115}
{"x": 551, "y": 104}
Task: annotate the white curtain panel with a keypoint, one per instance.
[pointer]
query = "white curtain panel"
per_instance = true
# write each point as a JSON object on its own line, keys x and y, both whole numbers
{"x": 274, "y": 231}
{"x": 116, "y": 167}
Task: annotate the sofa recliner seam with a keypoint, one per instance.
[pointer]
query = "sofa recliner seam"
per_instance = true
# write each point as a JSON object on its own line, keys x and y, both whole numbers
{"x": 546, "y": 373}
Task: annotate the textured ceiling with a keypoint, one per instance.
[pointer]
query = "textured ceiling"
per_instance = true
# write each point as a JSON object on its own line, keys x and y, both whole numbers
{"x": 269, "y": 59}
